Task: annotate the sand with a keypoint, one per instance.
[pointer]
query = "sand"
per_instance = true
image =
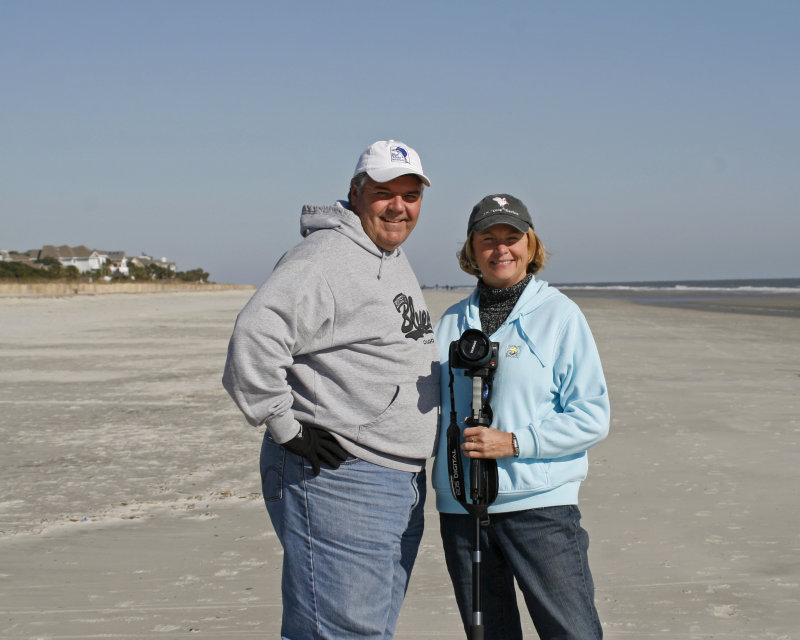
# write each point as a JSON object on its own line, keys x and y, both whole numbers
{"x": 129, "y": 493}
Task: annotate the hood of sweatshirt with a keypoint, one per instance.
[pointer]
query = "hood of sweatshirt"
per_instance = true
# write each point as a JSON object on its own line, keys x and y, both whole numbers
{"x": 340, "y": 218}
{"x": 534, "y": 296}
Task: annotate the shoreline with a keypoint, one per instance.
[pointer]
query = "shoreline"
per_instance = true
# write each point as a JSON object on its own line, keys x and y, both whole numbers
{"x": 781, "y": 304}
{"x": 65, "y": 288}
{"x": 765, "y": 302}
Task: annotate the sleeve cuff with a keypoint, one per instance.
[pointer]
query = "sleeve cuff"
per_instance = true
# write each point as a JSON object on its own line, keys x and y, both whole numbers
{"x": 283, "y": 427}
{"x": 527, "y": 443}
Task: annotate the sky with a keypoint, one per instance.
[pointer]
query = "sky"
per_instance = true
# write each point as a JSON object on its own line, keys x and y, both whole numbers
{"x": 651, "y": 140}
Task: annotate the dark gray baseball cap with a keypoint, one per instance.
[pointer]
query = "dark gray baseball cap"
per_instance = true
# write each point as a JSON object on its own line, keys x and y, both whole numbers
{"x": 499, "y": 208}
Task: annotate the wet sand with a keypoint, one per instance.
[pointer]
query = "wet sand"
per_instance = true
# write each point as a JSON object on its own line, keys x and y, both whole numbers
{"x": 129, "y": 490}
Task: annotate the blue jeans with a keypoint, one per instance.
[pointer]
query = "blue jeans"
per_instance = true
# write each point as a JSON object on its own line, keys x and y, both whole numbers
{"x": 546, "y": 551}
{"x": 350, "y": 538}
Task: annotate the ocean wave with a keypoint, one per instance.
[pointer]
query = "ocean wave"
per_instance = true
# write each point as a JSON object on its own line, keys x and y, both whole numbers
{"x": 772, "y": 286}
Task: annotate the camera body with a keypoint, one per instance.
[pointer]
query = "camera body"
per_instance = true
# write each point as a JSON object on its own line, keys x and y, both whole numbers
{"x": 477, "y": 356}
{"x": 474, "y": 352}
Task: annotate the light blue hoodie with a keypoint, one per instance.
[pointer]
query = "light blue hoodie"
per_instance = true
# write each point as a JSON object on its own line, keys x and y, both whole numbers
{"x": 549, "y": 390}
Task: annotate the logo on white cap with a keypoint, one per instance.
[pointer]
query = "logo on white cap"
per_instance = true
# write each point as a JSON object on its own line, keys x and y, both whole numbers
{"x": 398, "y": 154}
{"x": 386, "y": 160}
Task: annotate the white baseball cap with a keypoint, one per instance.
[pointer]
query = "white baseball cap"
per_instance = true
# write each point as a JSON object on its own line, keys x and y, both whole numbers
{"x": 386, "y": 160}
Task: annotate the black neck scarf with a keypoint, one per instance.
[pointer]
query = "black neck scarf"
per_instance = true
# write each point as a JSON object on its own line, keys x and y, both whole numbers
{"x": 496, "y": 303}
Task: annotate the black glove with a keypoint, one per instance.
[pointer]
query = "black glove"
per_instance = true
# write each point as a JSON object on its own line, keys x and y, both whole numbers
{"x": 315, "y": 445}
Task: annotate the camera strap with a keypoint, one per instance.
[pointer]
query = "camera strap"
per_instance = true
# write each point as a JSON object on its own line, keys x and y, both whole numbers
{"x": 455, "y": 467}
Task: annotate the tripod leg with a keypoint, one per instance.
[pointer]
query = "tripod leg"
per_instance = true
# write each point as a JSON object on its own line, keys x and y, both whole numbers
{"x": 476, "y": 628}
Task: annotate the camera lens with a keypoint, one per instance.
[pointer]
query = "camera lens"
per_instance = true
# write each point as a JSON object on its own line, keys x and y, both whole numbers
{"x": 474, "y": 347}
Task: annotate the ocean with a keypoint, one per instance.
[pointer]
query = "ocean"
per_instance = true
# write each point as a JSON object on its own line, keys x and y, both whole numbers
{"x": 766, "y": 296}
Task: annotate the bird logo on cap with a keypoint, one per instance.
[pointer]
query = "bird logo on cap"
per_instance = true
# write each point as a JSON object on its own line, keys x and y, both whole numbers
{"x": 399, "y": 155}
{"x": 501, "y": 201}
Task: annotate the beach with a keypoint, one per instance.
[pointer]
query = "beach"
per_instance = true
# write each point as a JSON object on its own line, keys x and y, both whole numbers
{"x": 130, "y": 501}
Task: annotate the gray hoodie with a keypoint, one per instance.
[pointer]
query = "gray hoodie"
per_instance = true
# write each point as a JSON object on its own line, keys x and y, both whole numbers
{"x": 339, "y": 337}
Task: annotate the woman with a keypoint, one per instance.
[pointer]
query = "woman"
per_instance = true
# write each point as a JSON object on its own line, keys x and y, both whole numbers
{"x": 549, "y": 404}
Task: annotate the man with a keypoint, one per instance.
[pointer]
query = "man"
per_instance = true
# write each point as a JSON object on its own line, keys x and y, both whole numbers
{"x": 335, "y": 355}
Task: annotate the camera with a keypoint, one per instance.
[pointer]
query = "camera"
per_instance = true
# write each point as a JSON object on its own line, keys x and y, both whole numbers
{"x": 474, "y": 352}
{"x": 477, "y": 355}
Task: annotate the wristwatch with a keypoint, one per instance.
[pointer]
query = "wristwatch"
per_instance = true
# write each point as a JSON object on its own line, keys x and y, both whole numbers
{"x": 515, "y": 444}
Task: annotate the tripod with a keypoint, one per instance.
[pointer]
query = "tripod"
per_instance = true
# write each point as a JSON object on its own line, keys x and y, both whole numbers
{"x": 482, "y": 480}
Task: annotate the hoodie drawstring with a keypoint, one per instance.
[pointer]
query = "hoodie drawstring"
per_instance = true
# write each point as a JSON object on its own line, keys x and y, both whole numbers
{"x": 528, "y": 341}
{"x": 380, "y": 267}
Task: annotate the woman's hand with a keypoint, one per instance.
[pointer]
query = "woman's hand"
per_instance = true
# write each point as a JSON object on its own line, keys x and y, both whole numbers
{"x": 485, "y": 442}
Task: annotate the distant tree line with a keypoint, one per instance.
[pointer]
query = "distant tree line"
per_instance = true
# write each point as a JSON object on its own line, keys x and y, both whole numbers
{"x": 52, "y": 269}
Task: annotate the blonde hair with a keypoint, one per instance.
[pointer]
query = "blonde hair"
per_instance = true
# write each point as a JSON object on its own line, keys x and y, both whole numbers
{"x": 537, "y": 255}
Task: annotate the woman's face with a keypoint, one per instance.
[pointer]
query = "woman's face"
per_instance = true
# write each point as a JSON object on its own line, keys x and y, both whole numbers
{"x": 501, "y": 252}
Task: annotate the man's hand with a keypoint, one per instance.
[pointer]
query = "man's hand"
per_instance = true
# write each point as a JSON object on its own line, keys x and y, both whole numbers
{"x": 315, "y": 445}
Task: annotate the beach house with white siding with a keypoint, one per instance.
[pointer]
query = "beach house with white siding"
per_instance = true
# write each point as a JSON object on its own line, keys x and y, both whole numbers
{"x": 81, "y": 257}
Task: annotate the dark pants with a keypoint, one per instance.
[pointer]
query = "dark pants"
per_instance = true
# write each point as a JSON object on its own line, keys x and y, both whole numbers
{"x": 546, "y": 551}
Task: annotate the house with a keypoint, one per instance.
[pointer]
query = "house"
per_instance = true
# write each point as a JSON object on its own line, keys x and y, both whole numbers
{"x": 118, "y": 263}
{"x": 16, "y": 256}
{"x": 114, "y": 264}
{"x": 144, "y": 260}
{"x": 81, "y": 257}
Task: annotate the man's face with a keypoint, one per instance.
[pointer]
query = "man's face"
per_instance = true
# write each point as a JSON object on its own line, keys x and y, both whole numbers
{"x": 388, "y": 210}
